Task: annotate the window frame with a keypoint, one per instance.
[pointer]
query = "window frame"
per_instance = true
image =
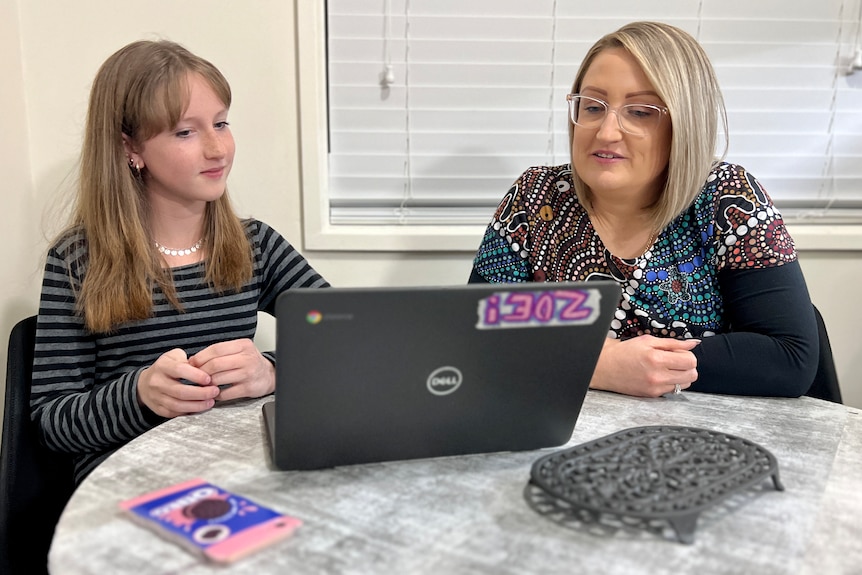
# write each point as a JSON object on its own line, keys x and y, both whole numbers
{"x": 320, "y": 234}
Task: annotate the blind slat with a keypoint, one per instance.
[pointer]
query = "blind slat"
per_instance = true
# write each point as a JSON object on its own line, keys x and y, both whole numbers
{"x": 479, "y": 96}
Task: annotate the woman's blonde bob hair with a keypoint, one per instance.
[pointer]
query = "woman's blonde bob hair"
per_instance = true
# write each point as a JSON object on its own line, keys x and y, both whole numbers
{"x": 682, "y": 75}
{"x": 140, "y": 91}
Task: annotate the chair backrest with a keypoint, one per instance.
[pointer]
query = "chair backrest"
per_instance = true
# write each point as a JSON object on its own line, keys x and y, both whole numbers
{"x": 825, "y": 384}
{"x": 35, "y": 483}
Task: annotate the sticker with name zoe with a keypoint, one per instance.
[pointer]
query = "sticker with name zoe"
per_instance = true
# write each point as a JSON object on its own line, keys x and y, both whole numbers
{"x": 520, "y": 309}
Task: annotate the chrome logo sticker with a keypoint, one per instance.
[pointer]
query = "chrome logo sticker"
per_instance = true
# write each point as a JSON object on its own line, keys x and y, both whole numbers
{"x": 313, "y": 317}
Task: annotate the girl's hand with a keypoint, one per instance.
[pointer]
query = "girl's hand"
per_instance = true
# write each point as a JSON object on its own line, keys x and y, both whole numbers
{"x": 238, "y": 364}
{"x": 160, "y": 386}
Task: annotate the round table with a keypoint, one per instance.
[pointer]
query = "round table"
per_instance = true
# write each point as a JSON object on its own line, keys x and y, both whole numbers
{"x": 468, "y": 514}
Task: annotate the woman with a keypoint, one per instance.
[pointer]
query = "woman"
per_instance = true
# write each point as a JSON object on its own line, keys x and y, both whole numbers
{"x": 713, "y": 298}
{"x": 150, "y": 297}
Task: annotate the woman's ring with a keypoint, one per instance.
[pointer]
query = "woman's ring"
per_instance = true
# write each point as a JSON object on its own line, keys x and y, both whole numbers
{"x": 676, "y": 389}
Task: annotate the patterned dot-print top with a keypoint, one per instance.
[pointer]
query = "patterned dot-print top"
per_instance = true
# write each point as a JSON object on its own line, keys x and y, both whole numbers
{"x": 540, "y": 232}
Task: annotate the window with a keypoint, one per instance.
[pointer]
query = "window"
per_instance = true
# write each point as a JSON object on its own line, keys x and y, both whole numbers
{"x": 476, "y": 94}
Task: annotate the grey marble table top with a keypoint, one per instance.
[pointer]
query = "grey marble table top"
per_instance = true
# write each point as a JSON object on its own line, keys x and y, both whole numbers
{"x": 468, "y": 514}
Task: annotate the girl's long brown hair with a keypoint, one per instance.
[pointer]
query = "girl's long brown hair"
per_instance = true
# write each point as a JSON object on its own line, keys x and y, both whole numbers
{"x": 141, "y": 91}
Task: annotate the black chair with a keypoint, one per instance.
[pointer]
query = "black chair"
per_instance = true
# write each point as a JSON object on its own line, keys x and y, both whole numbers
{"x": 35, "y": 483}
{"x": 825, "y": 384}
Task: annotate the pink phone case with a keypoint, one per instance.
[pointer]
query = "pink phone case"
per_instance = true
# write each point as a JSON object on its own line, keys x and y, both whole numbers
{"x": 221, "y": 525}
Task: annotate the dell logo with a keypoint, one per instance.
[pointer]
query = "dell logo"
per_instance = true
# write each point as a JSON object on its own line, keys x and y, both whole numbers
{"x": 444, "y": 380}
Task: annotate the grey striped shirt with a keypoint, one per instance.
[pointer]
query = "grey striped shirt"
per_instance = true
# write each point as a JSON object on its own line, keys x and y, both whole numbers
{"x": 84, "y": 394}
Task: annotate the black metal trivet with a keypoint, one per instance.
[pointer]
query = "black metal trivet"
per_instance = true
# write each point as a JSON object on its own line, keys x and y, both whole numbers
{"x": 645, "y": 474}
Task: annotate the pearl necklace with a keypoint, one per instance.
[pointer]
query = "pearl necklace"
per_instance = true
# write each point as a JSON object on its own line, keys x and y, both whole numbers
{"x": 181, "y": 252}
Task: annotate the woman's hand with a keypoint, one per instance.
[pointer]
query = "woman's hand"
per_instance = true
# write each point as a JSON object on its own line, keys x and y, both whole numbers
{"x": 160, "y": 387}
{"x": 645, "y": 366}
{"x": 238, "y": 364}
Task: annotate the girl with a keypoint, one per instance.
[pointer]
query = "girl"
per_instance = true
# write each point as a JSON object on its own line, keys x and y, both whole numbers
{"x": 150, "y": 297}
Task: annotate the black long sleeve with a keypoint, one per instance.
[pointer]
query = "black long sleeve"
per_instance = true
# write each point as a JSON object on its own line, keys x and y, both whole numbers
{"x": 771, "y": 348}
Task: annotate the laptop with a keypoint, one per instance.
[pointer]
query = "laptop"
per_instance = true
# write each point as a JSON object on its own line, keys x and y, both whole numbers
{"x": 382, "y": 374}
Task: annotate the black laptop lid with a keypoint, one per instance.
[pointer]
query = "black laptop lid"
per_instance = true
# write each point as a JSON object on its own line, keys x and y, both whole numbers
{"x": 379, "y": 374}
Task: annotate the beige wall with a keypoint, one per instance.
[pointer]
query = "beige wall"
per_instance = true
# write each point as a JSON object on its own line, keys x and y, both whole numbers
{"x": 49, "y": 52}
{"x": 18, "y": 207}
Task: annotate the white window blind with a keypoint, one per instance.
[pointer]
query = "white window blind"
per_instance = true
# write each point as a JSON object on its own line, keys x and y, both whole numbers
{"x": 477, "y": 95}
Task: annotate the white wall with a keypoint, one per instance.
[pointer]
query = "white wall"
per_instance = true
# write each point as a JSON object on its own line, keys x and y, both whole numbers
{"x": 17, "y": 214}
{"x": 49, "y": 53}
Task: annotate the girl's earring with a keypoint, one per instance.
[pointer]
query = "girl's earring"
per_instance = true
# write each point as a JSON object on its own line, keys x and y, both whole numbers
{"x": 136, "y": 166}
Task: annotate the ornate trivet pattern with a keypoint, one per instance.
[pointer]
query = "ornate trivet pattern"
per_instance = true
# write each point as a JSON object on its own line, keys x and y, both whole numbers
{"x": 654, "y": 473}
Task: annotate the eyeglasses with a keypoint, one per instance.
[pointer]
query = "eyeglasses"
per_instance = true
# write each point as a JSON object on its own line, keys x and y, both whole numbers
{"x": 634, "y": 119}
